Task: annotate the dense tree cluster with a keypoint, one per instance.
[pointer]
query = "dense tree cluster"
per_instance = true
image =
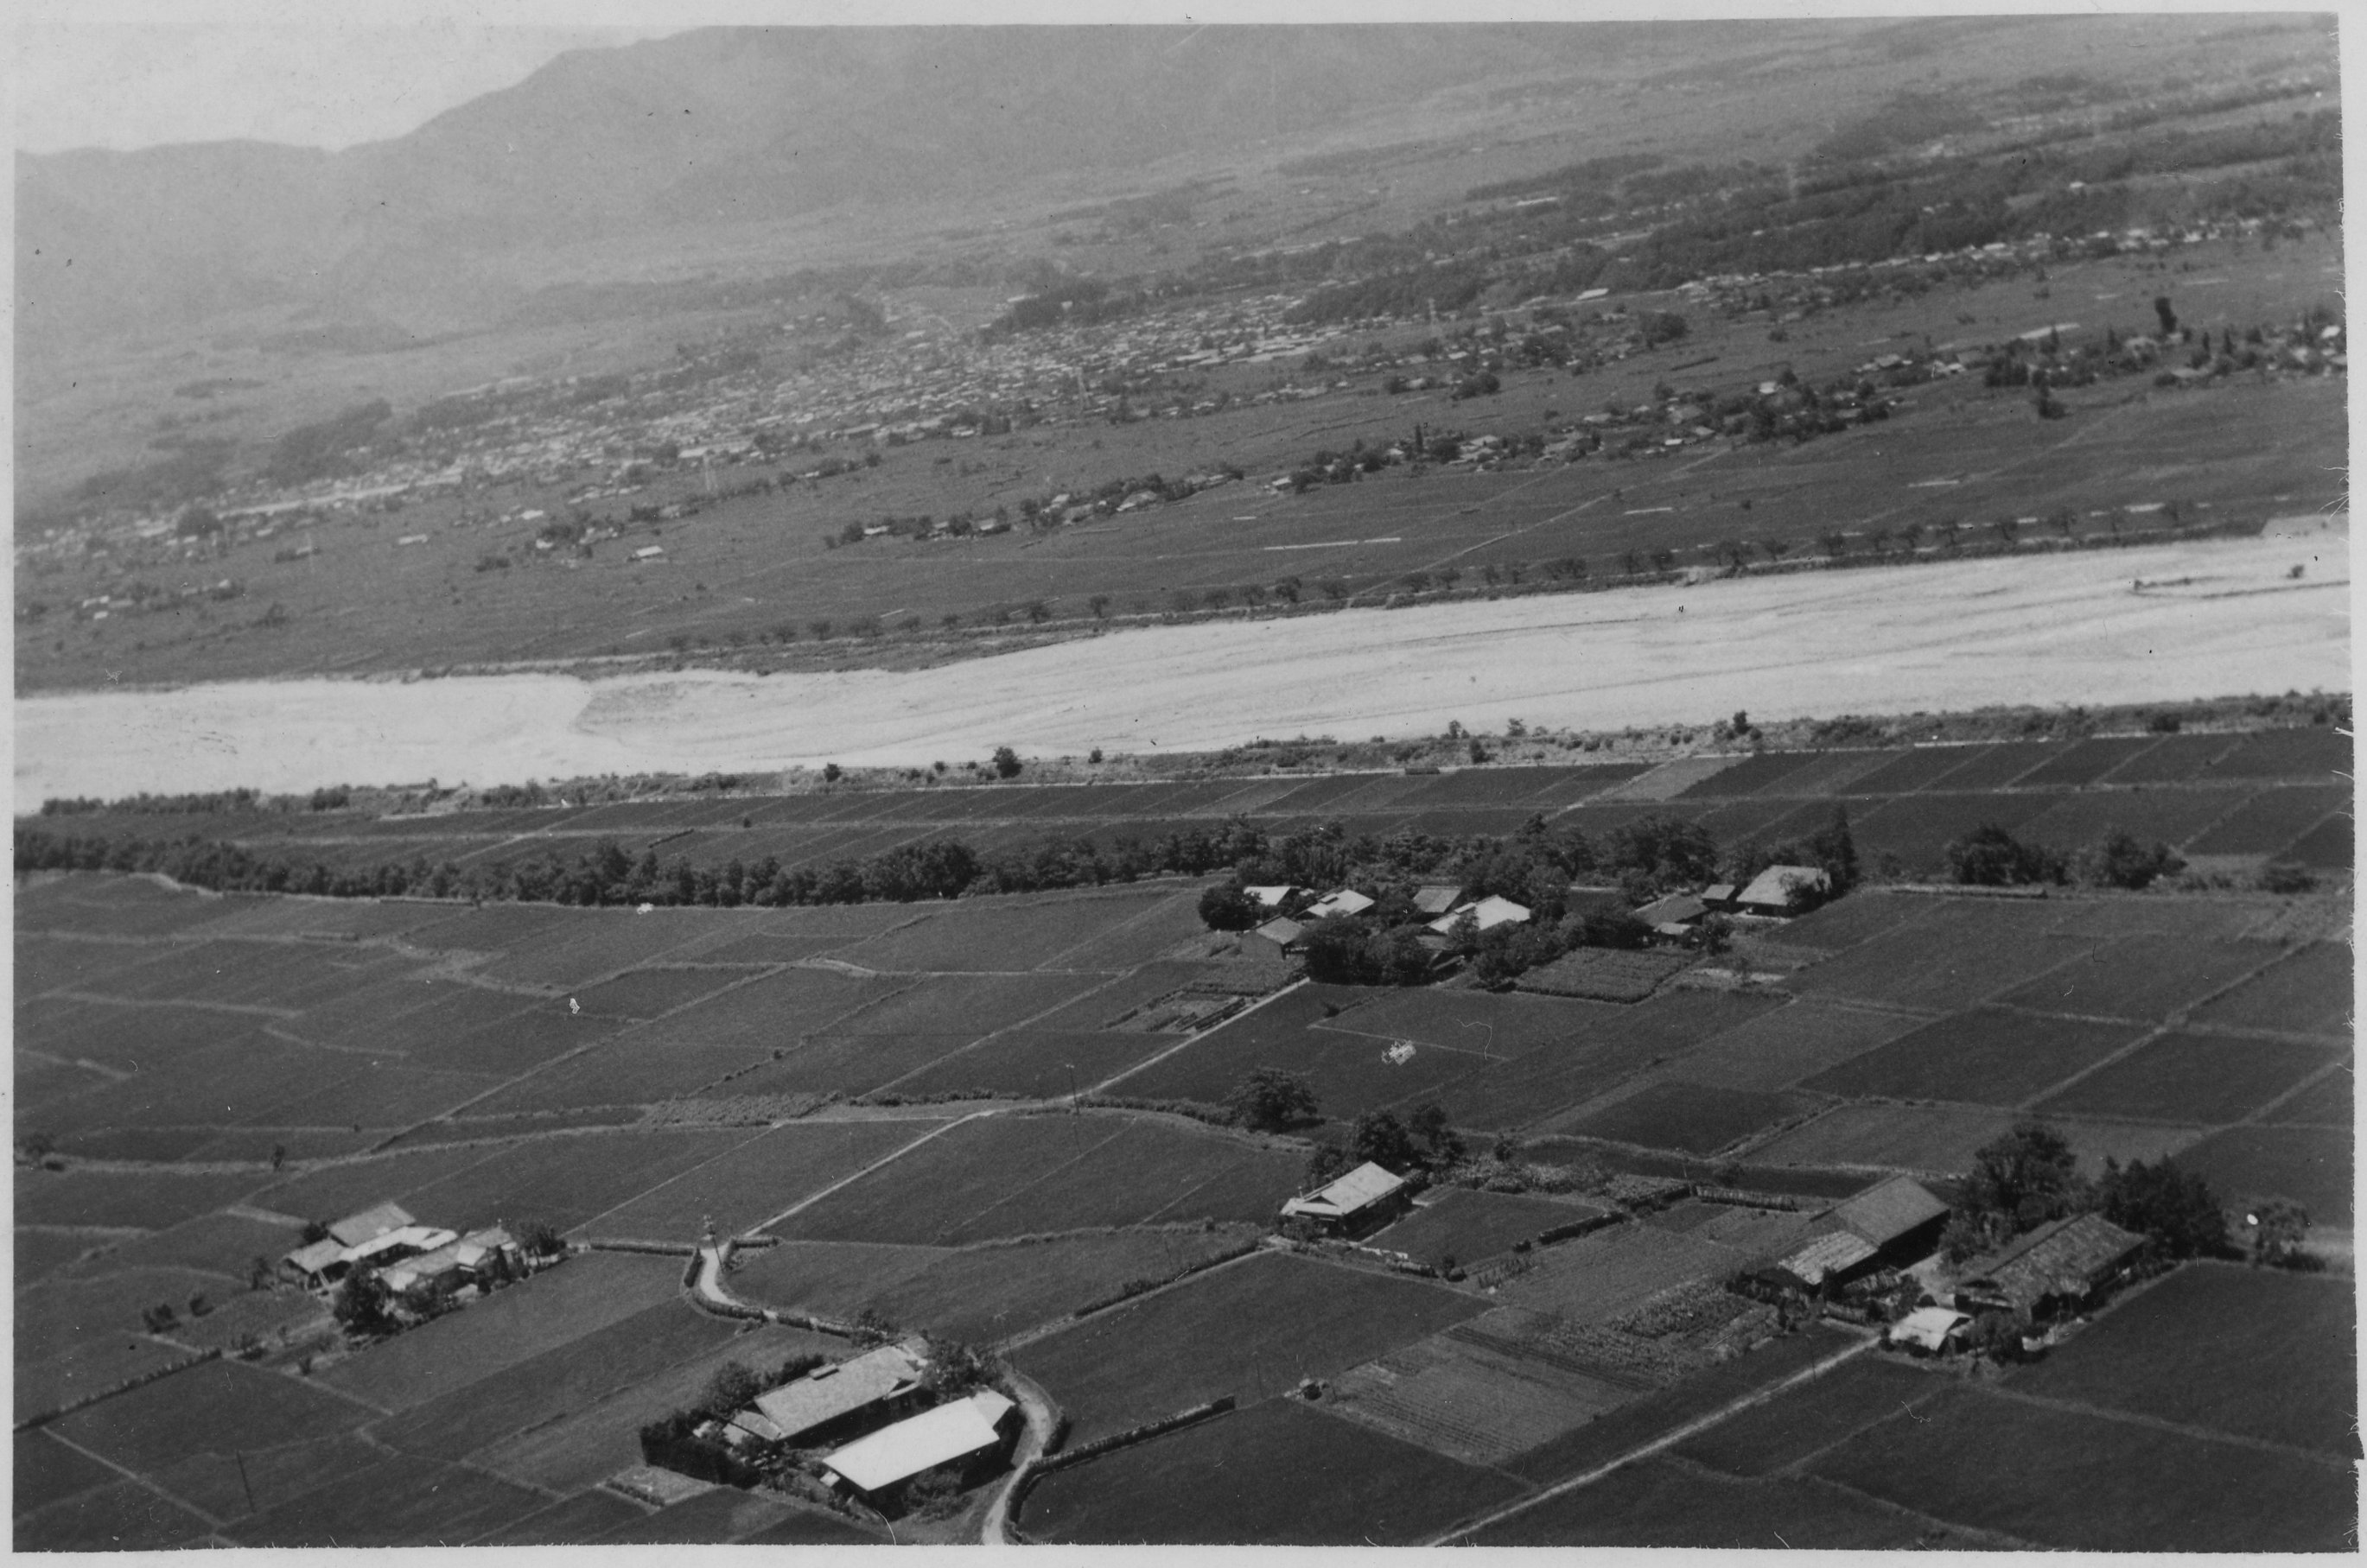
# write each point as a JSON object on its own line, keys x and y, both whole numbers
{"x": 2030, "y": 1176}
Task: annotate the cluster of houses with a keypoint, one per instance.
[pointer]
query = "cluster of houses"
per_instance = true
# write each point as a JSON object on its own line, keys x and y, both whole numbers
{"x": 1778, "y": 891}
{"x": 407, "y": 1256}
{"x": 1861, "y": 1259}
{"x": 873, "y": 1415}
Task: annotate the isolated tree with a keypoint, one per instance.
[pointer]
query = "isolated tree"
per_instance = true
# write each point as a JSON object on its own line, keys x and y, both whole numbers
{"x": 1440, "y": 1144}
{"x": 2119, "y": 860}
{"x": 2168, "y": 316}
{"x": 2019, "y": 1181}
{"x": 1379, "y": 1136}
{"x": 1006, "y": 763}
{"x": 1225, "y": 907}
{"x": 1271, "y": 1099}
{"x": 1988, "y": 856}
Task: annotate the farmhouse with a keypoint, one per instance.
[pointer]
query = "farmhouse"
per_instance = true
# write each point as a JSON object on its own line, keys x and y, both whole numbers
{"x": 1436, "y": 898}
{"x": 1719, "y": 894}
{"x": 368, "y": 1224}
{"x": 1819, "y": 1264}
{"x": 970, "y": 1433}
{"x": 1486, "y": 915}
{"x": 831, "y": 1401}
{"x": 1346, "y": 901}
{"x": 1364, "y": 1198}
{"x": 1284, "y": 934}
{"x": 2060, "y": 1267}
{"x": 1899, "y": 1218}
{"x": 475, "y": 1258}
{"x": 1674, "y": 915}
{"x": 323, "y": 1262}
{"x": 1772, "y": 891}
{"x": 1272, "y": 897}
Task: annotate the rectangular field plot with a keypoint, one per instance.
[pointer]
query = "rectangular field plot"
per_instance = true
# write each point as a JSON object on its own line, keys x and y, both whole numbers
{"x": 1035, "y": 1064}
{"x": 1533, "y": 1089}
{"x": 649, "y": 993}
{"x": 2329, "y": 846}
{"x": 2309, "y": 1166}
{"x": 1026, "y": 1175}
{"x": 2272, "y": 819}
{"x": 2057, "y": 1478}
{"x": 516, "y": 1043}
{"x": 1696, "y": 1118}
{"x": 1986, "y": 1057}
{"x": 1493, "y": 1024}
{"x": 1776, "y": 1050}
{"x": 1942, "y": 1139}
{"x": 2142, "y": 978}
{"x": 1952, "y": 958}
{"x": 2084, "y": 762}
{"x": 1605, "y": 974}
{"x": 48, "y": 1471}
{"x": 585, "y": 1517}
{"x": 138, "y": 1199}
{"x": 639, "y": 1068}
{"x": 122, "y": 1516}
{"x": 1993, "y": 767}
{"x": 581, "y": 1296}
{"x": 1810, "y": 1418}
{"x": 1918, "y": 828}
{"x": 970, "y": 1005}
{"x": 1620, "y": 1432}
{"x": 755, "y": 1181}
{"x": 2150, "y": 816}
{"x": 564, "y": 1182}
{"x": 400, "y": 1501}
{"x": 1750, "y": 776}
{"x": 1845, "y": 922}
{"x": 218, "y": 1407}
{"x": 1277, "y": 1475}
{"x": 1469, "y": 1226}
{"x": 1598, "y": 1277}
{"x": 2310, "y": 754}
{"x": 2174, "y": 760}
{"x": 1004, "y": 933}
{"x": 1249, "y": 1329}
{"x": 1654, "y": 1503}
{"x": 844, "y": 1064}
{"x": 2328, "y": 1102}
{"x": 2200, "y": 1079}
{"x": 2251, "y": 1352}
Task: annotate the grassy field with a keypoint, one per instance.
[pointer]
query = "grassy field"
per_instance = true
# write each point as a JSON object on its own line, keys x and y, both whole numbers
{"x": 1249, "y": 1329}
{"x": 1277, "y": 1473}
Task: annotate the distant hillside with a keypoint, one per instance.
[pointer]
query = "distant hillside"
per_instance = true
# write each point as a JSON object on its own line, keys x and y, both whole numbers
{"x": 716, "y": 126}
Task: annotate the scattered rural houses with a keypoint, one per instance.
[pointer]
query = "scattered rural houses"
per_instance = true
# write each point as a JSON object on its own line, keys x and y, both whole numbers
{"x": 1365, "y": 1198}
{"x": 971, "y": 1433}
{"x": 1486, "y": 915}
{"x": 834, "y": 1399}
{"x": 1674, "y": 916}
{"x": 1899, "y": 1220}
{"x": 2061, "y": 1268}
{"x": 1283, "y": 932}
{"x": 488, "y": 1253}
{"x": 408, "y": 1254}
{"x": 1346, "y": 901}
{"x": 1434, "y": 898}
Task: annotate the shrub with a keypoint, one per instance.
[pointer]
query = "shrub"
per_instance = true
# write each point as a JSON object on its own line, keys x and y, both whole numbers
{"x": 1270, "y": 1100}
{"x": 2118, "y": 860}
{"x": 1988, "y": 856}
{"x": 1228, "y": 908}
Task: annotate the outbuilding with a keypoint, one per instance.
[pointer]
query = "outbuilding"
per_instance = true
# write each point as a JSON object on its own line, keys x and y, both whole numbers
{"x": 1436, "y": 898}
{"x": 1486, "y": 915}
{"x": 1285, "y": 934}
{"x": 836, "y": 1400}
{"x": 968, "y": 1434}
{"x": 1781, "y": 889}
{"x": 1346, "y": 901}
{"x": 1365, "y": 1198}
{"x": 1900, "y": 1218}
{"x": 2063, "y": 1267}
{"x": 1931, "y": 1330}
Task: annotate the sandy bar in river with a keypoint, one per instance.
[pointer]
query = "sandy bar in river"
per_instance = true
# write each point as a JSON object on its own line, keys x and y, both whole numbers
{"x": 2215, "y": 619}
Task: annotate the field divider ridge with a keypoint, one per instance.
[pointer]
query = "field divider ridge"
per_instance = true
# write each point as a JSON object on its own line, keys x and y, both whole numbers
{"x": 1103, "y": 1087}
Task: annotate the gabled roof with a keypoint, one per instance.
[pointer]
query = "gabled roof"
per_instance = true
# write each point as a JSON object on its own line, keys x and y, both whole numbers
{"x": 1437, "y": 898}
{"x": 1827, "y": 1254}
{"x": 927, "y": 1440}
{"x": 1772, "y": 888}
{"x": 319, "y": 1255}
{"x": 1928, "y": 1326}
{"x": 1487, "y": 914}
{"x": 1884, "y": 1213}
{"x": 1346, "y": 901}
{"x": 1674, "y": 909}
{"x": 1271, "y": 896}
{"x": 418, "y": 1239}
{"x": 843, "y": 1387}
{"x": 1281, "y": 933}
{"x": 1718, "y": 893}
{"x": 2066, "y": 1257}
{"x": 369, "y": 1224}
{"x": 1360, "y": 1189}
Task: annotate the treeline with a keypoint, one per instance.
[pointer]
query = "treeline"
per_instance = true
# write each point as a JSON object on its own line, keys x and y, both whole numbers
{"x": 209, "y": 802}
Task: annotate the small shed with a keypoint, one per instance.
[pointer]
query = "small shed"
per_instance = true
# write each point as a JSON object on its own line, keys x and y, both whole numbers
{"x": 2061, "y": 1267}
{"x": 966, "y": 1432}
{"x": 1771, "y": 891}
{"x": 1832, "y": 1258}
{"x": 1720, "y": 895}
{"x": 1366, "y": 1197}
{"x": 1931, "y": 1330}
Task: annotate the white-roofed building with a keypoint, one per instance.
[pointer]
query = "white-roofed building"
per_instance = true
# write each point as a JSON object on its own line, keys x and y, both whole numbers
{"x": 403, "y": 1241}
{"x": 1486, "y": 915}
{"x": 1272, "y": 896}
{"x": 1347, "y": 901}
{"x": 1928, "y": 1329}
{"x": 1771, "y": 891}
{"x": 1364, "y": 1197}
{"x": 966, "y": 1432}
{"x": 368, "y": 1224}
{"x": 318, "y": 1263}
